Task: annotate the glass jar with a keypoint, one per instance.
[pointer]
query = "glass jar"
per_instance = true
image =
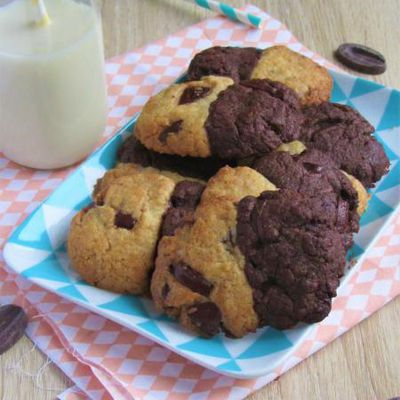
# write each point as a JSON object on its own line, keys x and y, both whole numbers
{"x": 52, "y": 85}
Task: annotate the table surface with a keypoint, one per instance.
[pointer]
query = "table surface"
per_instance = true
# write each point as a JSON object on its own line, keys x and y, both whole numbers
{"x": 362, "y": 364}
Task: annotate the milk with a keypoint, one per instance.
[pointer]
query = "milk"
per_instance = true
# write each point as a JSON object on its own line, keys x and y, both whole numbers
{"x": 52, "y": 88}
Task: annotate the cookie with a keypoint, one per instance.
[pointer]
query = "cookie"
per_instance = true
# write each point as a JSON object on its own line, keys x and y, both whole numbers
{"x": 230, "y": 122}
{"x": 293, "y": 263}
{"x": 336, "y": 202}
{"x": 343, "y": 134}
{"x": 310, "y": 81}
{"x": 132, "y": 151}
{"x": 112, "y": 243}
{"x": 246, "y": 255}
{"x": 199, "y": 277}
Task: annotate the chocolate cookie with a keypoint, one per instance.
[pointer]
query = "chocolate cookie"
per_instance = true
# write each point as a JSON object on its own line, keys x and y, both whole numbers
{"x": 112, "y": 243}
{"x": 292, "y": 262}
{"x": 132, "y": 151}
{"x": 310, "y": 81}
{"x": 199, "y": 276}
{"x": 343, "y": 134}
{"x": 335, "y": 201}
{"x": 230, "y": 122}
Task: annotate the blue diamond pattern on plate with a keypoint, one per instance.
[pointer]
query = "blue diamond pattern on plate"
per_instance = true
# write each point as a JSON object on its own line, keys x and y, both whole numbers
{"x": 37, "y": 248}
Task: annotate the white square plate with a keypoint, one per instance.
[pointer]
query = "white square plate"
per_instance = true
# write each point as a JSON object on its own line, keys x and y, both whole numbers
{"x": 36, "y": 249}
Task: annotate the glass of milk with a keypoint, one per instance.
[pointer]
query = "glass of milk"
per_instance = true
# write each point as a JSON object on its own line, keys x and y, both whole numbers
{"x": 52, "y": 86}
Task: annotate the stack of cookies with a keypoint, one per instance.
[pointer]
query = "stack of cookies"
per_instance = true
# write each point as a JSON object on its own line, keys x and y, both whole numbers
{"x": 235, "y": 200}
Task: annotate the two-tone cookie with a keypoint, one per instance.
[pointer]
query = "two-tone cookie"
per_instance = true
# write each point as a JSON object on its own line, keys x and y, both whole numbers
{"x": 249, "y": 255}
{"x": 310, "y": 81}
{"x": 214, "y": 117}
{"x": 112, "y": 243}
{"x": 347, "y": 137}
{"x": 200, "y": 276}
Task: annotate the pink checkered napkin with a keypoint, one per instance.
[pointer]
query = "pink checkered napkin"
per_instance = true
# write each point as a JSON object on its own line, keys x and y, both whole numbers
{"x": 105, "y": 360}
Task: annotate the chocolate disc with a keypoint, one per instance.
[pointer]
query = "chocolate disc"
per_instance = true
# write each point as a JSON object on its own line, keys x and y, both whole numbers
{"x": 13, "y": 322}
{"x": 361, "y": 58}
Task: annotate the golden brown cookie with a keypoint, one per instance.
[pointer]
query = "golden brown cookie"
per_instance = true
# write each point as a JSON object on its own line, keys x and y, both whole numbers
{"x": 112, "y": 243}
{"x": 310, "y": 81}
{"x": 199, "y": 276}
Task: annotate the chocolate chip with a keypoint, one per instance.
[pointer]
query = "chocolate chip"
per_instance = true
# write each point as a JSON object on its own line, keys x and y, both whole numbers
{"x": 124, "y": 221}
{"x": 176, "y": 218}
{"x": 165, "y": 290}
{"x": 184, "y": 200}
{"x": 229, "y": 241}
{"x": 206, "y": 317}
{"x": 13, "y": 322}
{"x": 345, "y": 195}
{"x": 313, "y": 168}
{"x": 192, "y": 94}
{"x": 361, "y": 58}
{"x": 173, "y": 128}
{"x": 190, "y": 278}
{"x": 187, "y": 194}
